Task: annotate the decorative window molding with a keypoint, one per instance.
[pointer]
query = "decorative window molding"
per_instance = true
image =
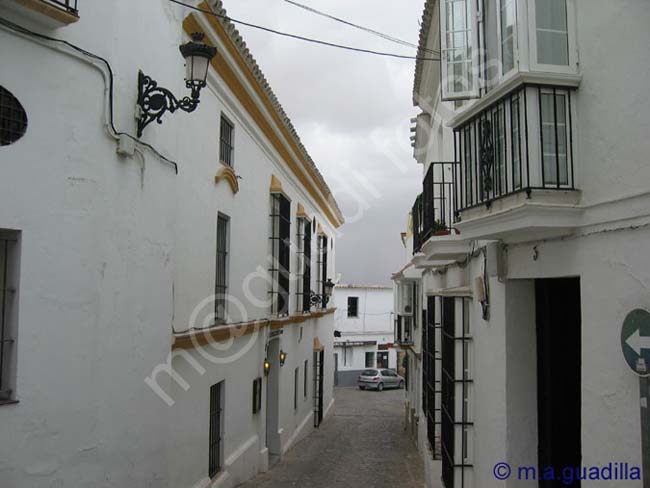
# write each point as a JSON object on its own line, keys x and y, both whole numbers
{"x": 228, "y": 175}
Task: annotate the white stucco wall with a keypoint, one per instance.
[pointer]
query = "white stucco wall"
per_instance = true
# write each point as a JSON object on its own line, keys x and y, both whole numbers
{"x": 117, "y": 253}
{"x": 374, "y": 323}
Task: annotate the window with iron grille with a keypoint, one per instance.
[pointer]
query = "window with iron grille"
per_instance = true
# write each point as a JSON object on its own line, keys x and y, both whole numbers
{"x": 9, "y": 256}
{"x": 304, "y": 380}
{"x": 431, "y": 372}
{"x": 455, "y": 392}
{"x": 303, "y": 256}
{"x": 257, "y": 395}
{"x": 353, "y": 306}
{"x": 296, "y": 373}
{"x": 522, "y": 142}
{"x": 280, "y": 253}
{"x": 221, "y": 281}
{"x": 215, "y": 446}
{"x": 227, "y": 142}
{"x": 322, "y": 268}
{"x": 13, "y": 119}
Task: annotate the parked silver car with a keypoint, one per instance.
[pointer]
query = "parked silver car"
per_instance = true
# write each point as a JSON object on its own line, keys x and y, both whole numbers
{"x": 378, "y": 379}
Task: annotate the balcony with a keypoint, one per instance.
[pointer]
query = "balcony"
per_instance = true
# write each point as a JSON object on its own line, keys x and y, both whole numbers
{"x": 52, "y": 13}
{"x": 436, "y": 240}
{"x": 404, "y": 330}
{"x": 515, "y": 179}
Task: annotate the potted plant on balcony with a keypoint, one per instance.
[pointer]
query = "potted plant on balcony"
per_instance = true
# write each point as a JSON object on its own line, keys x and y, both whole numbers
{"x": 440, "y": 229}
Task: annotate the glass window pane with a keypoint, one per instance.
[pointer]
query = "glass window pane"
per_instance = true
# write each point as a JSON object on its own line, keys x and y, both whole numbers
{"x": 551, "y": 14}
{"x": 507, "y": 34}
{"x": 552, "y": 32}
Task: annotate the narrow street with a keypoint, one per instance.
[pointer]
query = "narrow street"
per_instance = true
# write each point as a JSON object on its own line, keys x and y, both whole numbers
{"x": 362, "y": 444}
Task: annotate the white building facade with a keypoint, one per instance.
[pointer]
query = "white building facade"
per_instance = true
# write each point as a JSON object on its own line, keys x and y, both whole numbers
{"x": 364, "y": 320}
{"x": 528, "y": 244}
{"x": 163, "y": 313}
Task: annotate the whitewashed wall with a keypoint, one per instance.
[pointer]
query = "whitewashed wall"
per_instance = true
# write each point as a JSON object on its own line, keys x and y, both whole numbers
{"x": 116, "y": 252}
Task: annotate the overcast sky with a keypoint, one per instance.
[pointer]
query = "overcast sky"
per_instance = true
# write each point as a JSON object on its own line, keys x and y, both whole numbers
{"x": 352, "y": 112}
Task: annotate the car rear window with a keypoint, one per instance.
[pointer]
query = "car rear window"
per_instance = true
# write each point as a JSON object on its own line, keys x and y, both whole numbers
{"x": 369, "y": 372}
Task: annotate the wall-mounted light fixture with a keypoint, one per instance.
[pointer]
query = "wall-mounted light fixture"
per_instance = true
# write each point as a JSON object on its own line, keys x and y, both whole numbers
{"x": 283, "y": 357}
{"x": 267, "y": 367}
{"x": 316, "y": 299}
{"x": 154, "y": 101}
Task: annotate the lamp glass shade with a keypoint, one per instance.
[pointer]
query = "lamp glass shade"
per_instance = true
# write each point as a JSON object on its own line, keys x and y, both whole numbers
{"x": 196, "y": 69}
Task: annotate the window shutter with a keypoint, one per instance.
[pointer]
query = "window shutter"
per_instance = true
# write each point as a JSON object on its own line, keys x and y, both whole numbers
{"x": 459, "y": 50}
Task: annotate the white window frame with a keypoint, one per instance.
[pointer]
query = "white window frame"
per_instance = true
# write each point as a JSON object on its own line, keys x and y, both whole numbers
{"x": 572, "y": 68}
{"x": 515, "y": 38}
{"x": 475, "y": 57}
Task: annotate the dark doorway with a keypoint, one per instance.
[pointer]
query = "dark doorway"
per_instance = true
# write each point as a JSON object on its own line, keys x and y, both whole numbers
{"x": 558, "y": 377}
{"x": 382, "y": 360}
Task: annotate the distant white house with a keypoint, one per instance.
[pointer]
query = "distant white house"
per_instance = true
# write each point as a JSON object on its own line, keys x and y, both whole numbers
{"x": 364, "y": 319}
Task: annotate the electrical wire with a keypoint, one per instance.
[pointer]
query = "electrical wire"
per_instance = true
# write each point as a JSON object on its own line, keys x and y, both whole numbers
{"x": 22, "y": 30}
{"x": 302, "y": 38}
{"x": 360, "y": 27}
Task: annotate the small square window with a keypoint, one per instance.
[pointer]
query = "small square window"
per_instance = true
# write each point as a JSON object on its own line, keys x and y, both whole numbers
{"x": 353, "y": 306}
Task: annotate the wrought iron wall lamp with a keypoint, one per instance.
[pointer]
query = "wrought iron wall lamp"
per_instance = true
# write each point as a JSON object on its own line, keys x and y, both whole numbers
{"x": 154, "y": 101}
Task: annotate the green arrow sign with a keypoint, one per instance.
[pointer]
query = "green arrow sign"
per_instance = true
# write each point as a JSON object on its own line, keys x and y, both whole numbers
{"x": 635, "y": 341}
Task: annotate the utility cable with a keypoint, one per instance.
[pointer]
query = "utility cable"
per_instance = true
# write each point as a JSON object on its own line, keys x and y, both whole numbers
{"x": 22, "y": 30}
{"x": 360, "y": 27}
{"x": 302, "y": 38}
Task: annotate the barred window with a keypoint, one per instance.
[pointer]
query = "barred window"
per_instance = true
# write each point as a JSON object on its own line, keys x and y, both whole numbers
{"x": 9, "y": 256}
{"x": 303, "y": 255}
{"x": 280, "y": 253}
{"x": 322, "y": 268}
{"x": 227, "y": 142}
{"x": 221, "y": 281}
{"x": 13, "y": 119}
{"x": 257, "y": 395}
{"x": 215, "y": 446}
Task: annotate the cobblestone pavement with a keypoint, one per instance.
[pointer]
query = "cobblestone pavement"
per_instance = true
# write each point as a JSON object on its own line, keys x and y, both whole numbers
{"x": 363, "y": 444}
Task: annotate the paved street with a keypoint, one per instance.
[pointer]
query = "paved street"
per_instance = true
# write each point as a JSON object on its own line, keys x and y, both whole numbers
{"x": 363, "y": 444}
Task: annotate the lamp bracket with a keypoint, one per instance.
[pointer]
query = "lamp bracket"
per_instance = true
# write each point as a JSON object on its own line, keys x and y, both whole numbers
{"x": 155, "y": 101}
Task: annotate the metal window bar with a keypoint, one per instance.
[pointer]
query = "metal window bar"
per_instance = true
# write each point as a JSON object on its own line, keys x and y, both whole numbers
{"x": 306, "y": 274}
{"x": 226, "y": 147}
{"x": 221, "y": 279}
{"x": 450, "y": 383}
{"x": 215, "y": 430}
{"x": 510, "y": 164}
{"x": 323, "y": 270}
{"x": 300, "y": 262}
{"x": 280, "y": 253}
{"x": 7, "y": 294}
{"x": 430, "y": 383}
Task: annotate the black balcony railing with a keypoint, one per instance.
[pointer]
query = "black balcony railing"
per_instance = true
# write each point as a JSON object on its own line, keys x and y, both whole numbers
{"x": 434, "y": 209}
{"x": 522, "y": 142}
{"x": 67, "y": 5}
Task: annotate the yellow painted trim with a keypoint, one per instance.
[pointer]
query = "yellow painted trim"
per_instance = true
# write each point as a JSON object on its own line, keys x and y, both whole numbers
{"x": 319, "y": 229}
{"x": 301, "y": 167}
{"x": 223, "y": 333}
{"x": 276, "y": 185}
{"x": 49, "y": 10}
{"x": 318, "y": 345}
{"x": 227, "y": 173}
{"x": 300, "y": 212}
